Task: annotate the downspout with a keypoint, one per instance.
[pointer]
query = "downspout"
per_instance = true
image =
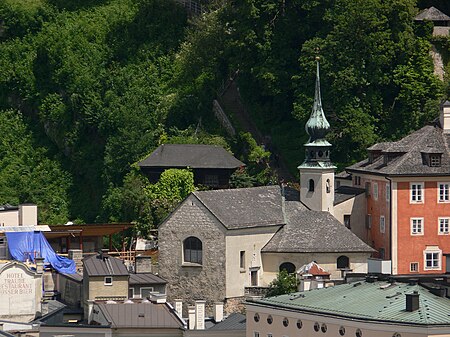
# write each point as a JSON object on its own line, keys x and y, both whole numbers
{"x": 390, "y": 220}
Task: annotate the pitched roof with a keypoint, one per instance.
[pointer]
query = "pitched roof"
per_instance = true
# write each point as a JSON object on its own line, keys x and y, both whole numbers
{"x": 104, "y": 265}
{"x": 141, "y": 315}
{"x": 191, "y": 155}
{"x": 405, "y": 155}
{"x": 343, "y": 193}
{"x": 244, "y": 207}
{"x": 313, "y": 231}
{"x": 312, "y": 268}
{"x": 146, "y": 278}
{"x": 387, "y": 303}
{"x": 432, "y": 14}
{"x": 235, "y": 321}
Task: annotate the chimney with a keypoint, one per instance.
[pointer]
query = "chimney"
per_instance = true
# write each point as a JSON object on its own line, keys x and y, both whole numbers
{"x": 412, "y": 301}
{"x": 39, "y": 265}
{"x": 178, "y": 306}
{"x": 445, "y": 117}
{"x": 218, "y": 312}
{"x": 200, "y": 315}
{"x": 191, "y": 312}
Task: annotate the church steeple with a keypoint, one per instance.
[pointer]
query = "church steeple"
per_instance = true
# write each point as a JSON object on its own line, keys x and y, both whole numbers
{"x": 317, "y": 171}
{"x": 317, "y": 148}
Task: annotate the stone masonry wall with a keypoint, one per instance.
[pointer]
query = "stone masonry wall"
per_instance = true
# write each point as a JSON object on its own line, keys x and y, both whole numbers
{"x": 187, "y": 281}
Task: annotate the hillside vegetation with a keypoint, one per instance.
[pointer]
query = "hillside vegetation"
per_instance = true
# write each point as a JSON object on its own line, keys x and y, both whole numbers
{"x": 89, "y": 88}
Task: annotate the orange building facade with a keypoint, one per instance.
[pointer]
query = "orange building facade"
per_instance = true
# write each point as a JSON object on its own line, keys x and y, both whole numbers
{"x": 407, "y": 185}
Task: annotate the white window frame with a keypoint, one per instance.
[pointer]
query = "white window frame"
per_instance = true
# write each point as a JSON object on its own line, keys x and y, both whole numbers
{"x": 432, "y": 250}
{"x": 411, "y": 269}
{"x": 108, "y": 283}
{"x": 416, "y": 232}
{"x": 255, "y": 333}
{"x": 414, "y": 196}
{"x": 145, "y": 288}
{"x": 446, "y": 195}
{"x": 446, "y": 230}
{"x": 132, "y": 290}
{"x": 382, "y": 224}
{"x": 375, "y": 191}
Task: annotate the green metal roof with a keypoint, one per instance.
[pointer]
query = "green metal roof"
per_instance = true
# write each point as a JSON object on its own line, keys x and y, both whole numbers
{"x": 377, "y": 301}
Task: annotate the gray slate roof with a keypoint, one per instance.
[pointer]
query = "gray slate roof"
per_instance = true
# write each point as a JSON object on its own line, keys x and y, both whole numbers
{"x": 141, "y": 315}
{"x": 244, "y": 207}
{"x": 191, "y": 155}
{"x": 343, "y": 193}
{"x": 313, "y": 231}
{"x": 235, "y": 321}
{"x": 104, "y": 265}
{"x": 408, "y": 152}
{"x": 145, "y": 278}
{"x": 387, "y": 303}
{"x": 432, "y": 14}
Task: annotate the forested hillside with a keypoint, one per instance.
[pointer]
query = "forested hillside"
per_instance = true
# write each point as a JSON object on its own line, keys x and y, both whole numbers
{"x": 87, "y": 88}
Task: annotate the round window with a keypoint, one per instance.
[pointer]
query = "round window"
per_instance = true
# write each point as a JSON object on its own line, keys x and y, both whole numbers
{"x": 323, "y": 328}
{"x": 269, "y": 319}
{"x": 342, "y": 331}
{"x": 256, "y": 317}
{"x": 358, "y": 333}
{"x": 316, "y": 326}
{"x": 299, "y": 324}
{"x": 285, "y": 322}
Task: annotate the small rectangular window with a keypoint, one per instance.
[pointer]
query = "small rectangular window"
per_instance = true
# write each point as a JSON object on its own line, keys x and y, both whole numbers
{"x": 375, "y": 191}
{"x": 444, "y": 226}
{"x": 108, "y": 281}
{"x": 242, "y": 259}
{"x": 146, "y": 291}
{"x": 130, "y": 292}
{"x": 416, "y": 190}
{"x": 347, "y": 221}
{"x": 388, "y": 192}
{"x": 382, "y": 224}
{"x": 369, "y": 221}
{"x": 382, "y": 253}
{"x": 435, "y": 160}
{"x": 414, "y": 267}
{"x": 254, "y": 278}
{"x": 255, "y": 334}
{"x": 444, "y": 192}
{"x": 367, "y": 189}
{"x": 416, "y": 226}
{"x": 432, "y": 260}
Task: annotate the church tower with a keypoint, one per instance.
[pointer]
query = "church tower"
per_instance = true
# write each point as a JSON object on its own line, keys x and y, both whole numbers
{"x": 317, "y": 171}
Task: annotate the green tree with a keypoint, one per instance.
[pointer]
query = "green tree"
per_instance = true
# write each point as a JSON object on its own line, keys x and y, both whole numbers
{"x": 285, "y": 283}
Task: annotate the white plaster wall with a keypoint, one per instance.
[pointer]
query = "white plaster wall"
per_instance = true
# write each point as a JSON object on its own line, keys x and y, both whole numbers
{"x": 251, "y": 241}
{"x": 9, "y": 218}
{"x": 318, "y": 200}
{"x": 369, "y": 329}
{"x": 356, "y": 207}
{"x": 272, "y": 262}
{"x": 28, "y": 215}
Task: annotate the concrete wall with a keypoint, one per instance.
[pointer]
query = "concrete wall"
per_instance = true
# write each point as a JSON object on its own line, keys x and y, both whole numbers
{"x": 277, "y": 328}
{"x": 189, "y": 281}
{"x": 356, "y": 208}
{"x": 9, "y": 218}
{"x": 20, "y": 292}
{"x": 250, "y": 241}
{"x": 272, "y": 262}
{"x": 71, "y": 291}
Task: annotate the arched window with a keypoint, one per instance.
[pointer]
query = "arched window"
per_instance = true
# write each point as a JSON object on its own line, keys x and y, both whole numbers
{"x": 343, "y": 262}
{"x": 289, "y": 267}
{"x": 192, "y": 248}
{"x": 328, "y": 186}
{"x": 311, "y": 185}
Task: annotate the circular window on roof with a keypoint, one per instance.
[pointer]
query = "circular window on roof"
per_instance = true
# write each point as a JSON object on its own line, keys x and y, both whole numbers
{"x": 285, "y": 322}
{"x": 316, "y": 327}
{"x": 299, "y": 324}
{"x": 342, "y": 331}
{"x": 323, "y": 328}
{"x": 358, "y": 333}
{"x": 269, "y": 319}
{"x": 256, "y": 317}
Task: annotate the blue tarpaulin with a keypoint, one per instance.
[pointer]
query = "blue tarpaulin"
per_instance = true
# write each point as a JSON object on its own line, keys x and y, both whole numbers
{"x": 28, "y": 245}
